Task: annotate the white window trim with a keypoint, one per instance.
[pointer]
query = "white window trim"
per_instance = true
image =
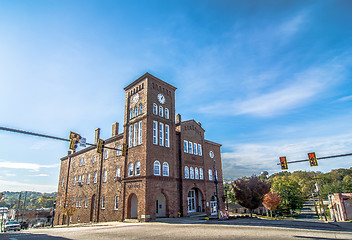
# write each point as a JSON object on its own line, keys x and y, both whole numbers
{"x": 167, "y": 135}
{"x": 105, "y": 175}
{"x": 135, "y": 131}
{"x": 106, "y": 153}
{"x": 116, "y": 203}
{"x": 159, "y": 168}
{"x": 86, "y": 202}
{"x": 131, "y": 113}
{"x": 130, "y": 169}
{"x": 155, "y": 132}
{"x": 200, "y": 150}
{"x": 167, "y": 172}
{"x": 191, "y": 173}
{"x": 137, "y": 166}
{"x": 161, "y": 111}
{"x": 167, "y": 113}
{"x": 140, "y": 132}
{"x": 155, "y": 109}
{"x": 185, "y": 146}
{"x": 130, "y": 132}
{"x": 186, "y": 172}
{"x": 161, "y": 134}
{"x": 201, "y": 173}
{"x": 190, "y": 147}
{"x": 195, "y": 148}
{"x": 196, "y": 173}
{"x": 140, "y": 109}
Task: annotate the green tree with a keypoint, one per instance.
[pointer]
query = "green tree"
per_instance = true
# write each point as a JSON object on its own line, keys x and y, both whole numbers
{"x": 291, "y": 194}
{"x": 249, "y": 192}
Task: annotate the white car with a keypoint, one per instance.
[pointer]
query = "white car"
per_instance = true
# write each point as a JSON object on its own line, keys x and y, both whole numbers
{"x": 12, "y": 225}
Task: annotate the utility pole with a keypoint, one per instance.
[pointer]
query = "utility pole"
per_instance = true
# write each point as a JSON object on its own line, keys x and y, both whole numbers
{"x": 18, "y": 207}
{"x": 24, "y": 205}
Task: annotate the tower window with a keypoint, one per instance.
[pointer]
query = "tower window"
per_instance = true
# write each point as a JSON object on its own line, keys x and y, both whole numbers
{"x": 130, "y": 169}
{"x": 131, "y": 113}
{"x": 185, "y": 147}
{"x": 195, "y": 148}
{"x": 161, "y": 134}
{"x": 155, "y": 109}
{"x": 155, "y": 132}
{"x": 199, "y": 150}
{"x": 167, "y": 136}
{"x": 161, "y": 111}
{"x": 157, "y": 168}
{"x": 167, "y": 113}
{"x": 135, "y": 135}
{"x": 191, "y": 172}
{"x": 138, "y": 168}
{"x": 190, "y": 147}
{"x": 139, "y": 132}
{"x": 130, "y": 136}
{"x": 135, "y": 111}
{"x": 196, "y": 173}
{"x": 140, "y": 108}
{"x": 186, "y": 172}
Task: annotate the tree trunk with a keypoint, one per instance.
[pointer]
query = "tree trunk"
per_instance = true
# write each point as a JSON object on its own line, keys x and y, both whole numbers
{"x": 271, "y": 213}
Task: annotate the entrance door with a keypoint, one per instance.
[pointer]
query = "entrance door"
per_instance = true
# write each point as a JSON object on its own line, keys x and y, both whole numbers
{"x": 213, "y": 206}
{"x": 134, "y": 206}
{"x": 191, "y": 199}
{"x": 160, "y": 205}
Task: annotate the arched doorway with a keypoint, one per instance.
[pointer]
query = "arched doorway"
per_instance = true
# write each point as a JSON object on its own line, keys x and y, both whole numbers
{"x": 92, "y": 207}
{"x": 194, "y": 201}
{"x": 133, "y": 206}
{"x": 160, "y": 205}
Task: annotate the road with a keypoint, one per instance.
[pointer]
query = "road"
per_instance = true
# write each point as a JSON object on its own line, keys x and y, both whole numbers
{"x": 192, "y": 229}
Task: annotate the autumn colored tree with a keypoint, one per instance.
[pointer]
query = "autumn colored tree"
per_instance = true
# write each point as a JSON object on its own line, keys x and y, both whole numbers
{"x": 68, "y": 207}
{"x": 250, "y": 192}
{"x": 271, "y": 201}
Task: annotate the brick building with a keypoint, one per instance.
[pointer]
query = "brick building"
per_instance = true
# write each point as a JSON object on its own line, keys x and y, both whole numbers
{"x": 168, "y": 171}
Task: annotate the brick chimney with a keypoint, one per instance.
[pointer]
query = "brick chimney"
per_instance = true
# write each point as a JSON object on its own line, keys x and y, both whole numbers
{"x": 115, "y": 129}
{"x": 178, "y": 119}
{"x": 97, "y": 135}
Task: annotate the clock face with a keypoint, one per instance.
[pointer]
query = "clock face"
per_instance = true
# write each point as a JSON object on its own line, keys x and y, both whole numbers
{"x": 161, "y": 98}
{"x": 135, "y": 98}
{"x": 211, "y": 154}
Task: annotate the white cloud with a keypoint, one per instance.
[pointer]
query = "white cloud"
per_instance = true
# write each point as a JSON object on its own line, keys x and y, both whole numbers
{"x": 40, "y": 175}
{"x": 29, "y": 166}
{"x": 20, "y": 186}
{"x": 298, "y": 91}
{"x": 345, "y": 99}
{"x": 291, "y": 27}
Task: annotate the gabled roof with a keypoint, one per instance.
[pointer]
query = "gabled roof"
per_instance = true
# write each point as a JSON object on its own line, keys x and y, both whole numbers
{"x": 148, "y": 75}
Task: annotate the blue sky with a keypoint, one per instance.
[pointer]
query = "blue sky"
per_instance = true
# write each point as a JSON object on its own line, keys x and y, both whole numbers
{"x": 265, "y": 78}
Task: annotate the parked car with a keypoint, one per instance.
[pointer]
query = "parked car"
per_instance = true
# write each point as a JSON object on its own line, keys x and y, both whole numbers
{"x": 12, "y": 225}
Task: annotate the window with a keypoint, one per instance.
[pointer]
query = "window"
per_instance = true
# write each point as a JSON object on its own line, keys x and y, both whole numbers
{"x": 167, "y": 113}
{"x": 95, "y": 177}
{"x": 165, "y": 169}
{"x": 88, "y": 178}
{"x": 130, "y": 136}
{"x": 62, "y": 182}
{"x": 93, "y": 159}
{"x": 79, "y": 179}
{"x": 161, "y": 111}
{"x": 186, "y": 172}
{"x": 155, "y": 109}
{"x": 103, "y": 202}
{"x": 139, "y": 132}
{"x": 116, "y": 207}
{"x": 82, "y": 179}
{"x": 130, "y": 169}
{"x": 106, "y": 154}
{"x": 84, "y": 161}
{"x": 118, "y": 172}
{"x": 155, "y": 132}
{"x": 157, "y": 168}
{"x": 199, "y": 150}
{"x": 161, "y": 134}
{"x": 74, "y": 181}
{"x": 201, "y": 173}
{"x": 190, "y": 147}
{"x": 136, "y": 111}
{"x": 77, "y": 201}
{"x": 80, "y": 201}
{"x": 185, "y": 147}
{"x": 135, "y": 135}
{"x": 105, "y": 175}
{"x": 119, "y": 150}
{"x": 131, "y": 113}
{"x": 80, "y": 162}
{"x": 137, "y": 168}
{"x": 86, "y": 202}
{"x": 196, "y": 173}
{"x": 167, "y": 136}
{"x": 73, "y": 165}
{"x": 210, "y": 172}
{"x": 191, "y": 172}
{"x": 195, "y": 148}
{"x": 140, "y": 109}
{"x": 60, "y": 201}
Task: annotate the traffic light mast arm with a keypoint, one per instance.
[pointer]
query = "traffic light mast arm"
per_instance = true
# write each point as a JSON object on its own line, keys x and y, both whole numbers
{"x": 307, "y": 160}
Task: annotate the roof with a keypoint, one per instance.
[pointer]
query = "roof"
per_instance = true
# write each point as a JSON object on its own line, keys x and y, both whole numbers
{"x": 192, "y": 120}
{"x": 146, "y": 75}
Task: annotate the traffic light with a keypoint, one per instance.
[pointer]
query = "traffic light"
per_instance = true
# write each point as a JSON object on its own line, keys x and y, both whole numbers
{"x": 74, "y": 140}
{"x": 312, "y": 159}
{"x": 283, "y": 163}
{"x": 124, "y": 149}
{"x": 100, "y": 145}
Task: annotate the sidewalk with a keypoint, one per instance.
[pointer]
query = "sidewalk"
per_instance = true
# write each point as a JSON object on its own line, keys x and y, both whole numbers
{"x": 345, "y": 225}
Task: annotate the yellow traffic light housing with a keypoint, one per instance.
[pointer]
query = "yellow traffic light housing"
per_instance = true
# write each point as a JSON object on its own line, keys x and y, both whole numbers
{"x": 74, "y": 140}
{"x": 283, "y": 163}
{"x": 100, "y": 145}
{"x": 124, "y": 149}
{"x": 312, "y": 159}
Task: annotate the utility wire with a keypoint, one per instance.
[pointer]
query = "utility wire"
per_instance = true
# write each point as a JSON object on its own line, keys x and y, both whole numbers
{"x": 46, "y": 136}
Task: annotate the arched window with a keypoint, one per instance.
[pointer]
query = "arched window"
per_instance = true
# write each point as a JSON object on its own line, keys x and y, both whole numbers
{"x": 140, "y": 108}
{"x": 137, "y": 168}
{"x": 161, "y": 111}
{"x": 196, "y": 173}
{"x": 136, "y": 111}
{"x": 201, "y": 173}
{"x": 130, "y": 169}
{"x": 191, "y": 172}
{"x": 157, "y": 168}
{"x": 155, "y": 109}
{"x": 131, "y": 113}
{"x": 186, "y": 172}
{"x": 167, "y": 113}
{"x": 165, "y": 169}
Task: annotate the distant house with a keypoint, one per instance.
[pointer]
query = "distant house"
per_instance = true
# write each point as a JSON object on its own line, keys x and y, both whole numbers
{"x": 4, "y": 211}
{"x": 341, "y": 206}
